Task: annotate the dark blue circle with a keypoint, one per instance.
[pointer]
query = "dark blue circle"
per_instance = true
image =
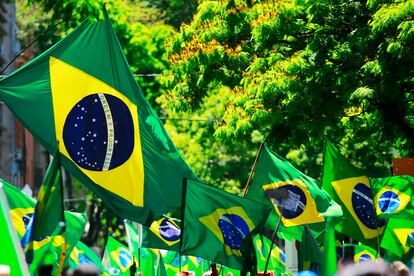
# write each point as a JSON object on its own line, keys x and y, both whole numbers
{"x": 364, "y": 257}
{"x": 291, "y": 214}
{"x": 169, "y": 231}
{"x": 363, "y": 206}
{"x": 124, "y": 257}
{"x": 234, "y": 229}
{"x": 85, "y": 132}
{"x": 388, "y": 202}
{"x": 84, "y": 259}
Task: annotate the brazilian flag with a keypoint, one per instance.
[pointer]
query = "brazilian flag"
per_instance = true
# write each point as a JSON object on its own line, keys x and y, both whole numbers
{"x": 81, "y": 97}
{"x": 117, "y": 259}
{"x": 363, "y": 253}
{"x": 393, "y": 196}
{"x": 218, "y": 225}
{"x": 11, "y": 252}
{"x": 277, "y": 261}
{"x": 398, "y": 236}
{"x": 82, "y": 254}
{"x": 348, "y": 186}
{"x": 305, "y": 201}
{"x": 163, "y": 233}
{"x": 21, "y": 207}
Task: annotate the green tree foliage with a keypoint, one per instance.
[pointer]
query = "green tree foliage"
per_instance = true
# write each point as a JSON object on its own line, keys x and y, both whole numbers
{"x": 301, "y": 70}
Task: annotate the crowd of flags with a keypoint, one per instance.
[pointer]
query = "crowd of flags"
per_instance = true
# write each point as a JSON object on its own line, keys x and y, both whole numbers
{"x": 81, "y": 102}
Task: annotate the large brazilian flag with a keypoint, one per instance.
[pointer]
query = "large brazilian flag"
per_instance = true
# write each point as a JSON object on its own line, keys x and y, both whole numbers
{"x": 81, "y": 97}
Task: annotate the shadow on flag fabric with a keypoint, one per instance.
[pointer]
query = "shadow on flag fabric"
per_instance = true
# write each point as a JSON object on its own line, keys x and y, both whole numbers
{"x": 305, "y": 200}
{"x": 82, "y": 254}
{"x": 82, "y": 98}
{"x": 117, "y": 259}
{"x": 11, "y": 253}
{"x": 224, "y": 224}
{"x": 349, "y": 187}
{"x": 398, "y": 236}
{"x": 393, "y": 196}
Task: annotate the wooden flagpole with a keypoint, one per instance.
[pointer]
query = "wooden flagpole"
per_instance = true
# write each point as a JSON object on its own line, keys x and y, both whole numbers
{"x": 249, "y": 180}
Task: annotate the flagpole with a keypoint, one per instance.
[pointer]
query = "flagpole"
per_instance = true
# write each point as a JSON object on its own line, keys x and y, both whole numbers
{"x": 183, "y": 196}
{"x": 273, "y": 241}
{"x": 249, "y": 180}
{"x": 378, "y": 255}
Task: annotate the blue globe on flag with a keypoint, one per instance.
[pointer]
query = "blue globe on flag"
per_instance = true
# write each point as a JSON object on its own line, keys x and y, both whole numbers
{"x": 125, "y": 258}
{"x": 388, "y": 202}
{"x": 300, "y": 197}
{"x": 363, "y": 206}
{"x": 364, "y": 257}
{"x": 234, "y": 230}
{"x": 99, "y": 132}
{"x": 169, "y": 231}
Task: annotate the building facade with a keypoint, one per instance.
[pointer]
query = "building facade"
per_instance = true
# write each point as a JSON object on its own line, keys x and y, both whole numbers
{"x": 22, "y": 159}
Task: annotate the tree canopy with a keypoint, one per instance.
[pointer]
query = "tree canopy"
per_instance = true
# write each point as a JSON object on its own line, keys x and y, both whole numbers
{"x": 299, "y": 71}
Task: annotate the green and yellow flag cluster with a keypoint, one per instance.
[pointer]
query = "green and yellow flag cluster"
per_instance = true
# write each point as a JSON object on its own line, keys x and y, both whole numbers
{"x": 83, "y": 100}
{"x": 223, "y": 224}
{"x": 53, "y": 245}
{"x": 304, "y": 203}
